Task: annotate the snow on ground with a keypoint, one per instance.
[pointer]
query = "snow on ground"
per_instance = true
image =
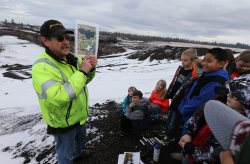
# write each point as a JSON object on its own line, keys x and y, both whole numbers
{"x": 22, "y": 129}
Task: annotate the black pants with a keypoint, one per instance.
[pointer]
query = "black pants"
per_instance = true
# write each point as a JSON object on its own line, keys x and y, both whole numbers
{"x": 126, "y": 124}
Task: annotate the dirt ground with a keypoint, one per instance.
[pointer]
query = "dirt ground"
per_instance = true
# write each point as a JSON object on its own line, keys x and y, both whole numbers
{"x": 107, "y": 148}
{"x": 106, "y": 144}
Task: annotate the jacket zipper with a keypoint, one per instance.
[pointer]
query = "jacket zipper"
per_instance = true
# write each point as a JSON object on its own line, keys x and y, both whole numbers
{"x": 86, "y": 102}
{"x": 68, "y": 111}
{"x": 86, "y": 98}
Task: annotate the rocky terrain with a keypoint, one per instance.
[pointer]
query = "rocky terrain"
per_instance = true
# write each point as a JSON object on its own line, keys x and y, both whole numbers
{"x": 104, "y": 149}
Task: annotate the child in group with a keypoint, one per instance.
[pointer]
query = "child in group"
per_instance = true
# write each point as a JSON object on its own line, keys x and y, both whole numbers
{"x": 198, "y": 66}
{"x": 233, "y": 135}
{"x": 230, "y": 58}
{"x": 127, "y": 100}
{"x": 241, "y": 65}
{"x": 184, "y": 78}
{"x": 158, "y": 103}
{"x": 203, "y": 89}
{"x": 137, "y": 115}
{"x": 194, "y": 141}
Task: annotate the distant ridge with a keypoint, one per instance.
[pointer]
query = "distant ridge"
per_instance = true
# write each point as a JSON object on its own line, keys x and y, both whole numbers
{"x": 169, "y": 39}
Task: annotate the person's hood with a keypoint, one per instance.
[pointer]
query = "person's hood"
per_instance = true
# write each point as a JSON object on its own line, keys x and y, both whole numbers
{"x": 232, "y": 67}
{"x": 143, "y": 102}
{"x": 220, "y": 72}
{"x": 240, "y": 88}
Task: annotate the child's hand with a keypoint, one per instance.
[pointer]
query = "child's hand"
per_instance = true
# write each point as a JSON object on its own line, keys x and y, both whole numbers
{"x": 184, "y": 139}
{"x": 132, "y": 105}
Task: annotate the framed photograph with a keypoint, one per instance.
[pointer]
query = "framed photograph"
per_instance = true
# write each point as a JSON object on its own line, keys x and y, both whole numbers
{"x": 86, "y": 38}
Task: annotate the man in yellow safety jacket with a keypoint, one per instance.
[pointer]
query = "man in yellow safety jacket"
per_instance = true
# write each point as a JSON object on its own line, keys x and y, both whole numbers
{"x": 60, "y": 79}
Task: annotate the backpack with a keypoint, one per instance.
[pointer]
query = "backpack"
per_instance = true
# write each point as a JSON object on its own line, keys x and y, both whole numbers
{"x": 203, "y": 81}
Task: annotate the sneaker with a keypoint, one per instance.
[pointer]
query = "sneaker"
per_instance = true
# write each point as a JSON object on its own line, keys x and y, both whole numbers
{"x": 85, "y": 154}
{"x": 123, "y": 133}
{"x": 177, "y": 156}
{"x": 166, "y": 140}
{"x": 162, "y": 134}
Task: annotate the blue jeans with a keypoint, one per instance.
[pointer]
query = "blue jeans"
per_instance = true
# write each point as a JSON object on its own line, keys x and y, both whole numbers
{"x": 174, "y": 120}
{"x": 185, "y": 160}
{"x": 183, "y": 133}
{"x": 184, "y": 128}
{"x": 69, "y": 145}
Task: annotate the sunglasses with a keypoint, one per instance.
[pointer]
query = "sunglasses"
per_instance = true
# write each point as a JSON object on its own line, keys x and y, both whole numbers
{"x": 61, "y": 38}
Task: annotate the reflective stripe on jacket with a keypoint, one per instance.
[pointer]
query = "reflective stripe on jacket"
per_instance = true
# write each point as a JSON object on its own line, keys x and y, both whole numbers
{"x": 61, "y": 90}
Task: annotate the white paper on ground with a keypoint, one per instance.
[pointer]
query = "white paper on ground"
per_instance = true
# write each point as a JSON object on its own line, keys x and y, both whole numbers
{"x": 137, "y": 159}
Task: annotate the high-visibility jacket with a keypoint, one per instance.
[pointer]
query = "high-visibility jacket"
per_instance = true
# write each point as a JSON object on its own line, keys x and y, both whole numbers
{"x": 61, "y": 90}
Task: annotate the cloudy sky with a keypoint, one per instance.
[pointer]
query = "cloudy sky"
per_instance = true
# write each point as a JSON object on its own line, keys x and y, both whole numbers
{"x": 207, "y": 20}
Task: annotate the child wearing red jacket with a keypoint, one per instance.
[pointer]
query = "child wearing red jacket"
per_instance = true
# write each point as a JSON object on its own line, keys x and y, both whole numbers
{"x": 158, "y": 103}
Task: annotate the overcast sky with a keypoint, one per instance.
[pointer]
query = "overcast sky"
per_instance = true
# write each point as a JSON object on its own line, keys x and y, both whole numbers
{"x": 207, "y": 20}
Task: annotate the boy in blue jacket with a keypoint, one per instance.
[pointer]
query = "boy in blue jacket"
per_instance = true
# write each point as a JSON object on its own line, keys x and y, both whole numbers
{"x": 203, "y": 88}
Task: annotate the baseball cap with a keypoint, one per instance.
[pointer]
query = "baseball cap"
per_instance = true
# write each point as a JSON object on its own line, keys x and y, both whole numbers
{"x": 228, "y": 126}
{"x": 53, "y": 28}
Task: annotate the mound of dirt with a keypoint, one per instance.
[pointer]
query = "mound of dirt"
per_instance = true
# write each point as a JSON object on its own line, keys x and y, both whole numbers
{"x": 17, "y": 71}
{"x": 107, "y": 49}
{"x": 162, "y": 52}
{"x": 8, "y": 66}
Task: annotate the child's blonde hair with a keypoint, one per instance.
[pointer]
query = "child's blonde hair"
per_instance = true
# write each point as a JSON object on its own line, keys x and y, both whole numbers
{"x": 198, "y": 63}
{"x": 163, "y": 90}
{"x": 245, "y": 56}
{"x": 192, "y": 53}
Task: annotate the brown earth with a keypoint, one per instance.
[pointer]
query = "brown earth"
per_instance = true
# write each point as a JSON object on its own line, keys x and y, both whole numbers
{"x": 7, "y": 65}
{"x": 107, "y": 148}
{"x": 108, "y": 144}
{"x": 162, "y": 52}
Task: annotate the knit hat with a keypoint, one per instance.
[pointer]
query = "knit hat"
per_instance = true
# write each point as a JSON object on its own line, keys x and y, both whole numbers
{"x": 228, "y": 126}
{"x": 240, "y": 88}
{"x": 53, "y": 28}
